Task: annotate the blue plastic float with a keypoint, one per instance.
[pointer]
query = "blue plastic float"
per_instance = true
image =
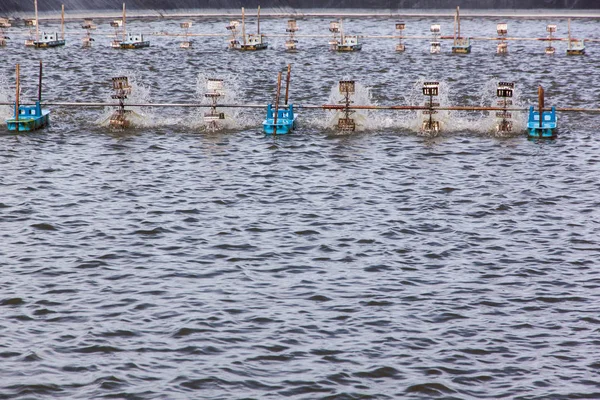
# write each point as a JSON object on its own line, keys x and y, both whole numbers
{"x": 541, "y": 123}
{"x": 28, "y": 117}
{"x": 286, "y": 120}
{"x": 546, "y": 128}
{"x": 281, "y": 119}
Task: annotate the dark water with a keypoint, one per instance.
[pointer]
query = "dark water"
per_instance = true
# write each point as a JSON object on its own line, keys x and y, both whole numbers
{"x": 160, "y": 6}
{"x": 168, "y": 262}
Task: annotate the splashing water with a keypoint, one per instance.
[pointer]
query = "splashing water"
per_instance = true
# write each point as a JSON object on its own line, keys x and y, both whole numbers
{"x": 362, "y": 118}
{"x": 453, "y": 120}
{"x": 5, "y": 111}
{"x": 139, "y": 117}
{"x": 449, "y": 120}
{"x": 234, "y": 118}
{"x": 488, "y": 122}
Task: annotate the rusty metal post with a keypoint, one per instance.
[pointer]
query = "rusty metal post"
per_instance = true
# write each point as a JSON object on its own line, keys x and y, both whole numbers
{"x": 569, "y": 30}
{"x": 287, "y": 83}
{"x": 258, "y": 22}
{"x": 431, "y": 110}
{"x": 37, "y": 25}
{"x": 124, "y": 29}
{"x": 277, "y": 102}
{"x": 40, "y": 84}
{"x": 18, "y": 94}
{"x": 455, "y": 18}
{"x": 244, "y": 25}
{"x": 458, "y": 20}
{"x": 541, "y": 103}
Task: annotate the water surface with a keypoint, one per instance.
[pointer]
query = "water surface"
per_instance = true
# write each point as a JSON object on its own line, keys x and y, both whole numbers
{"x": 169, "y": 262}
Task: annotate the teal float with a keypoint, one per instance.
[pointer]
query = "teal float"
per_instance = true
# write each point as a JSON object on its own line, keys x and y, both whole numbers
{"x": 544, "y": 127}
{"x": 280, "y": 119}
{"x": 28, "y": 118}
{"x": 283, "y": 124}
{"x": 542, "y": 123}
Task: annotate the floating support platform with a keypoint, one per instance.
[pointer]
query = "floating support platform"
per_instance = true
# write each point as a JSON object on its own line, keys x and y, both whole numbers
{"x": 134, "y": 41}
{"x": 128, "y": 40}
{"x": 345, "y": 43}
{"x": 461, "y": 45}
{"x": 575, "y": 46}
{"x": 544, "y": 127}
{"x": 46, "y": 40}
{"x": 280, "y": 120}
{"x": 542, "y": 123}
{"x": 251, "y": 42}
{"x": 28, "y": 117}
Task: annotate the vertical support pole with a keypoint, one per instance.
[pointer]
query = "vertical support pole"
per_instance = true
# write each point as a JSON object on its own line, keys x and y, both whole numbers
{"x": 541, "y": 103}
{"x": 431, "y": 110}
{"x": 458, "y": 20}
{"x": 124, "y": 29}
{"x": 37, "y": 25}
{"x": 569, "y": 29}
{"x": 40, "y": 84}
{"x": 347, "y": 110}
{"x": 62, "y": 21}
{"x": 277, "y": 103}
{"x": 17, "y": 96}
{"x": 258, "y": 23}
{"x": 455, "y": 18}
{"x": 287, "y": 83}
{"x": 341, "y": 31}
{"x": 244, "y": 26}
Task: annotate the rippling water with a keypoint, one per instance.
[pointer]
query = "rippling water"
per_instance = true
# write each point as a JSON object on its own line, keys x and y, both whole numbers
{"x": 167, "y": 262}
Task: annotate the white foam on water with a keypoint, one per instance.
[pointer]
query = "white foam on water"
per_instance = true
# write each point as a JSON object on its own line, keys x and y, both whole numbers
{"x": 234, "y": 117}
{"x": 413, "y": 120}
{"x": 484, "y": 122}
{"x": 371, "y": 120}
{"x": 139, "y": 117}
{"x": 455, "y": 120}
{"x": 489, "y": 120}
{"x": 5, "y": 97}
{"x": 362, "y": 118}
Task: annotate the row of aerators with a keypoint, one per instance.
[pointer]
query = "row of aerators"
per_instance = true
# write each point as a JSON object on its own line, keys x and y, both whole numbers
{"x": 240, "y": 40}
{"x": 281, "y": 118}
